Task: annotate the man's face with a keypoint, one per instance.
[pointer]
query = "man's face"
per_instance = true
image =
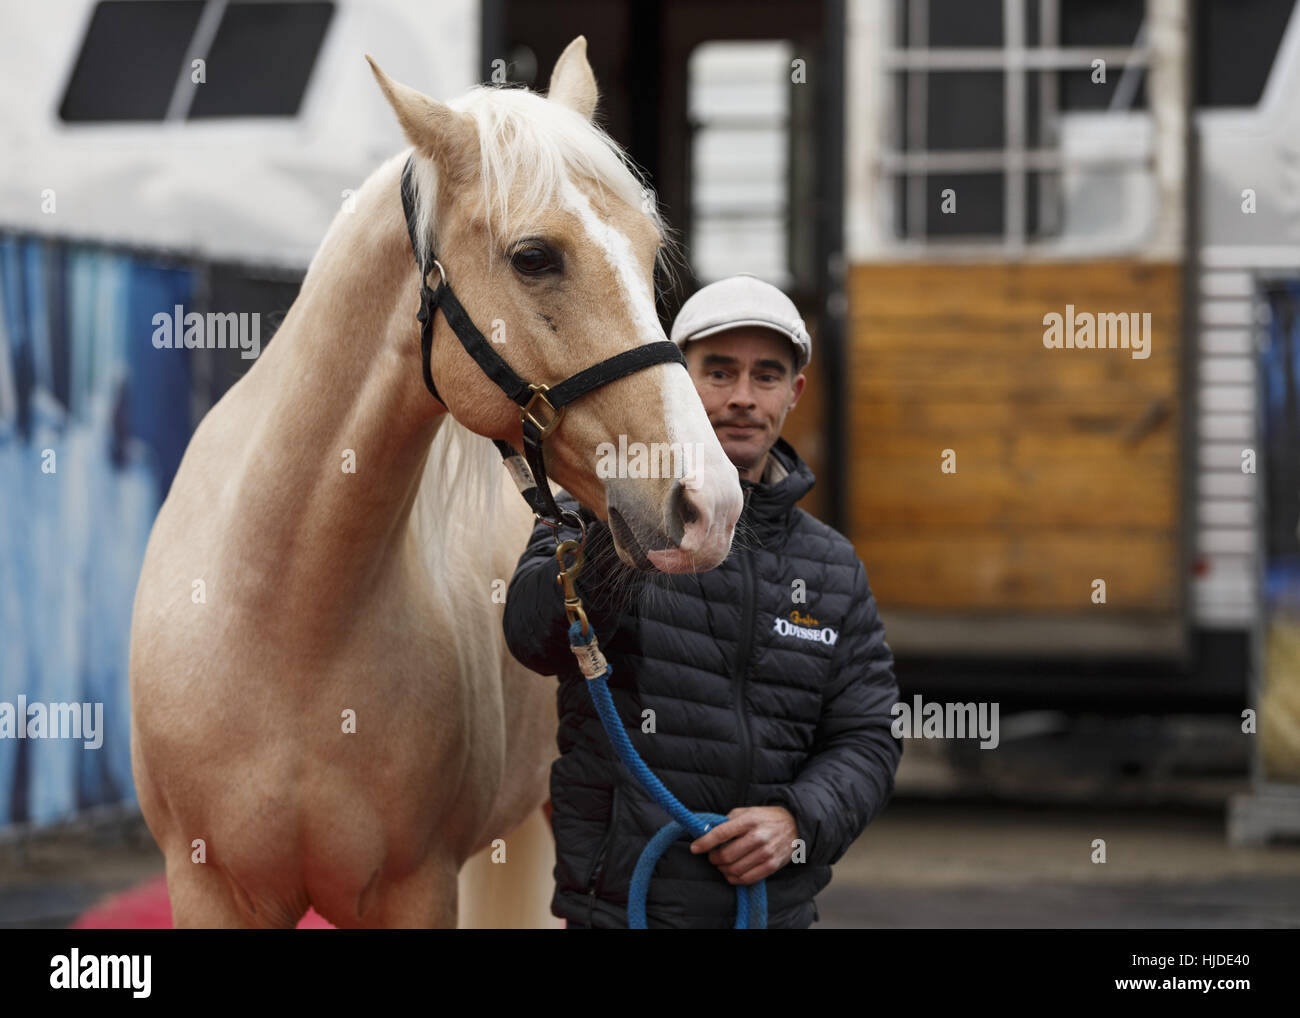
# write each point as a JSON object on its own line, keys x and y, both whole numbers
{"x": 746, "y": 380}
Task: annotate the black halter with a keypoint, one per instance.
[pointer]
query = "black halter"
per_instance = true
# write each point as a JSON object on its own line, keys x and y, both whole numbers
{"x": 540, "y": 406}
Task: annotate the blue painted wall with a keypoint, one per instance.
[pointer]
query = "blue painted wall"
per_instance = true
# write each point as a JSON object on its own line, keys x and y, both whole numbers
{"x": 79, "y": 377}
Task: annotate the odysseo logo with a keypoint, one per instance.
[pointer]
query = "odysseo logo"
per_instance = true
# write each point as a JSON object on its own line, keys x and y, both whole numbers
{"x": 805, "y": 627}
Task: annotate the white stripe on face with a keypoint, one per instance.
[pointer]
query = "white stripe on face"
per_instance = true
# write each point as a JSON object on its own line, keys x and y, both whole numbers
{"x": 618, "y": 252}
{"x": 677, "y": 397}
{"x": 714, "y": 480}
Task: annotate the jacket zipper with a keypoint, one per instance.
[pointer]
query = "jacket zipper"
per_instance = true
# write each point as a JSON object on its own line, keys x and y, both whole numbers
{"x": 741, "y": 670}
{"x": 599, "y": 865}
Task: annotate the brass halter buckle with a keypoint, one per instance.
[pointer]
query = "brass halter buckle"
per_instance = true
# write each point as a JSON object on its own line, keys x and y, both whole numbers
{"x": 527, "y": 413}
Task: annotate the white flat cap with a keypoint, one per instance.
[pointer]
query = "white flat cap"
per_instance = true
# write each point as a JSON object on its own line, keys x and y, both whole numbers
{"x": 739, "y": 300}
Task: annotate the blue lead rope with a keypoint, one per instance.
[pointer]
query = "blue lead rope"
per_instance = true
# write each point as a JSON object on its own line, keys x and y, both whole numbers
{"x": 751, "y": 901}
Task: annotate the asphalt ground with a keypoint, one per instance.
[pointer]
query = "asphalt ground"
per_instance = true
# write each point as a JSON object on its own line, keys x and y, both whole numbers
{"x": 925, "y": 863}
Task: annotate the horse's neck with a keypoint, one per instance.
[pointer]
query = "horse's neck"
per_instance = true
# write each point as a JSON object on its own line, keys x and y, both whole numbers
{"x": 344, "y": 422}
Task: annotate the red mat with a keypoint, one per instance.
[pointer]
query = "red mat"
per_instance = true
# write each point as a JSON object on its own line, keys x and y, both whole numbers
{"x": 147, "y": 907}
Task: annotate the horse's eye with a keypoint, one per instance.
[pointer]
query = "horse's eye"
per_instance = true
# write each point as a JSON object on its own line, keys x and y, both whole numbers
{"x": 533, "y": 260}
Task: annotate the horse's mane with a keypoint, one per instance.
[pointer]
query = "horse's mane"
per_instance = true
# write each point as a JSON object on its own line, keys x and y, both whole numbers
{"x": 461, "y": 481}
{"x": 531, "y": 143}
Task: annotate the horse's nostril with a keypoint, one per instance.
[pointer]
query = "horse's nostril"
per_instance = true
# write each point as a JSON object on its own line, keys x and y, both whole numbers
{"x": 689, "y": 513}
{"x": 683, "y": 509}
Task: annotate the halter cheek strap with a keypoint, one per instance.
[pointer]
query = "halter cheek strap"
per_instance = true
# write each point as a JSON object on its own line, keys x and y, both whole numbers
{"x": 540, "y": 406}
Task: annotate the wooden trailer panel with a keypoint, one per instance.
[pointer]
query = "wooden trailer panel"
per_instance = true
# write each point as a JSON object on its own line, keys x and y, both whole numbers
{"x": 1068, "y": 462}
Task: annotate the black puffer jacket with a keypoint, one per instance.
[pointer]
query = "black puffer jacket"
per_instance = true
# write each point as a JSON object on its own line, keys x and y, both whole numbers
{"x": 749, "y": 708}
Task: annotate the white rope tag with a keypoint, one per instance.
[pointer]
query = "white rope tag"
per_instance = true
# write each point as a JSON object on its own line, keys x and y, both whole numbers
{"x": 590, "y": 659}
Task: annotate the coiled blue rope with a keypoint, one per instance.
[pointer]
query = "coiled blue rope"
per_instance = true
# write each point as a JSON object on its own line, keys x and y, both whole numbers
{"x": 751, "y": 901}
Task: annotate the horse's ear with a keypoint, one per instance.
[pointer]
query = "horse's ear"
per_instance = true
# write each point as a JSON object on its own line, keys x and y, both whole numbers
{"x": 572, "y": 82}
{"x": 448, "y": 137}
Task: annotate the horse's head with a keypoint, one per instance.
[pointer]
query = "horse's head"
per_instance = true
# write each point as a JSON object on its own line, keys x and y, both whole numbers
{"x": 550, "y": 242}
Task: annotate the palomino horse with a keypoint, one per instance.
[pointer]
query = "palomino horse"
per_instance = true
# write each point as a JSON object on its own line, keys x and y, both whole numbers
{"x": 324, "y": 709}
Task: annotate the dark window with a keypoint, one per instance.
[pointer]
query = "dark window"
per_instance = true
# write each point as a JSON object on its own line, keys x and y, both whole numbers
{"x": 247, "y": 289}
{"x": 960, "y": 22}
{"x": 1079, "y": 92}
{"x": 960, "y": 112}
{"x": 964, "y": 110}
{"x": 129, "y": 60}
{"x": 1236, "y": 43}
{"x": 261, "y": 58}
{"x": 137, "y": 54}
{"x": 978, "y": 198}
{"x": 1087, "y": 23}
{"x": 1100, "y": 22}
{"x": 1280, "y": 434}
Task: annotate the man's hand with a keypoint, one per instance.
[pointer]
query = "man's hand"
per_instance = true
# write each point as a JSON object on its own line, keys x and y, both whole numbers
{"x": 755, "y": 842}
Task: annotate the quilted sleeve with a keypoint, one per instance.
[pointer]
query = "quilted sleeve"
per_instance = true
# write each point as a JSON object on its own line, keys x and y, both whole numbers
{"x": 536, "y": 627}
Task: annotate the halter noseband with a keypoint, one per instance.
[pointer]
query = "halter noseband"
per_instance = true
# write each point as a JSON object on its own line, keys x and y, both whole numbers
{"x": 540, "y": 406}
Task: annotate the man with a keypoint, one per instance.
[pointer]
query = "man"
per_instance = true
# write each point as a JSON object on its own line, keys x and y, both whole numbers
{"x": 760, "y": 690}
